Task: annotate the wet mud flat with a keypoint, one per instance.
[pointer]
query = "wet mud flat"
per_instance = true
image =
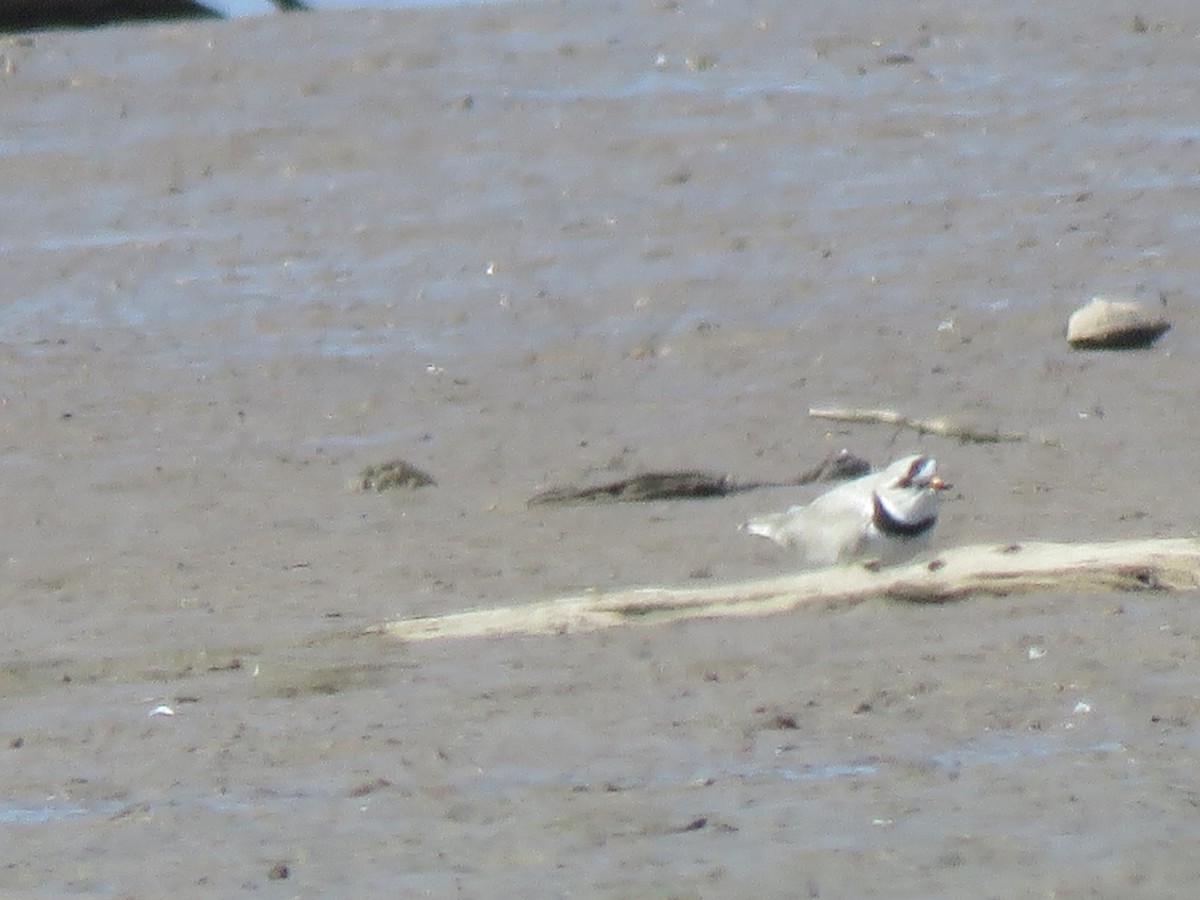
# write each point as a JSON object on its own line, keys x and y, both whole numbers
{"x": 523, "y": 246}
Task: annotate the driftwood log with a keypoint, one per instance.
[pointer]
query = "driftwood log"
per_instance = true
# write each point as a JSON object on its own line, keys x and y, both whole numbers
{"x": 983, "y": 570}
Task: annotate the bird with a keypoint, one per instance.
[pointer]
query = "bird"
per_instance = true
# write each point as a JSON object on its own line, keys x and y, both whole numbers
{"x": 885, "y": 517}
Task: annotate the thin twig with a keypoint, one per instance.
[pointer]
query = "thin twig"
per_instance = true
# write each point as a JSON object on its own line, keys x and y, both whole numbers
{"x": 943, "y": 427}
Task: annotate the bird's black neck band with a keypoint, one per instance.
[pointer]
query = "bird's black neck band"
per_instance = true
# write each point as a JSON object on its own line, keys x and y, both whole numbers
{"x": 891, "y": 526}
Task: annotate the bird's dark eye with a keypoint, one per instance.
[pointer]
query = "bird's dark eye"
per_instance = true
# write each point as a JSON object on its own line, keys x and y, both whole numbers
{"x": 917, "y": 465}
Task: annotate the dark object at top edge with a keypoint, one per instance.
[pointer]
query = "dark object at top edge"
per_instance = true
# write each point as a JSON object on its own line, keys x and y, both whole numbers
{"x": 30, "y": 15}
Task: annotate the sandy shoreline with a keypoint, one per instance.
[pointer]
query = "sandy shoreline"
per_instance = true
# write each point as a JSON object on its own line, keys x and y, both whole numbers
{"x": 524, "y": 245}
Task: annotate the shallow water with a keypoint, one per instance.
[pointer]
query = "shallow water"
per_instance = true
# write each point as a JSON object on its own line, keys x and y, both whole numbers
{"x": 843, "y": 200}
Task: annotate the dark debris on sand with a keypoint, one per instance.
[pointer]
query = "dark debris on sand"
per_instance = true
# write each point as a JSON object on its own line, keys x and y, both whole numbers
{"x": 685, "y": 485}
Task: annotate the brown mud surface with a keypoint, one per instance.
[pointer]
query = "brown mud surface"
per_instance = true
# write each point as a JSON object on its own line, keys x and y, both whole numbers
{"x": 520, "y": 246}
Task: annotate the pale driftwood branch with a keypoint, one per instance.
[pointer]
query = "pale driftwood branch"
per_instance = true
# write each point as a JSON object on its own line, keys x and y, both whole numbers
{"x": 943, "y": 427}
{"x": 1161, "y": 564}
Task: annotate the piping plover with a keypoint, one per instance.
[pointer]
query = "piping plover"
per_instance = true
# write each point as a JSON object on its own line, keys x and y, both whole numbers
{"x": 886, "y": 516}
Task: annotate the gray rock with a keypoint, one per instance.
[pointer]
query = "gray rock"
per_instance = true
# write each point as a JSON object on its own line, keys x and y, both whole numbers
{"x": 1108, "y": 323}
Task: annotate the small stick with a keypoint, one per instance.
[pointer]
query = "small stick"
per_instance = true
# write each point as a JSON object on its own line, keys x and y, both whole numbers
{"x": 942, "y": 427}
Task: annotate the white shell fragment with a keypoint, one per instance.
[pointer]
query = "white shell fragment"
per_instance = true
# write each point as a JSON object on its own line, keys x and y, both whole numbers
{"x": 1106, "y": 323}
